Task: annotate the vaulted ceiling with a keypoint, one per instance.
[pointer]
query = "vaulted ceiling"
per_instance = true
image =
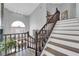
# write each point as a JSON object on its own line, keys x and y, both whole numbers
{"x": 22, "y": 8}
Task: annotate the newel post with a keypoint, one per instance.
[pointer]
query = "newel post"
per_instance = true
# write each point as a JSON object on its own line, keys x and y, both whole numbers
{"x": 58, "y": 12}
{"x": 36, "y": 40}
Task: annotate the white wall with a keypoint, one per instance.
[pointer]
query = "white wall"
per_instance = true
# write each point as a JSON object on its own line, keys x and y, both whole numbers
{"x": 0, "y": 14}
{"x": 73, "y": 10}
{"x": 38, "y": 18}
{"x": 71, "y": 7}
{"x": 77, "y": 10}
{"x": 22, "y": 8}
{"x": 10, "y": 17}
{"x": 51, "y": 7}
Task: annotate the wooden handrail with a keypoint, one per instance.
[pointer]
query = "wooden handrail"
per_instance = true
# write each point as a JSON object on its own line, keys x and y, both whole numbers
{"x": 15, "y": 33}
{"x": 31, "y": 37}
{"x": 49, "y": 20}
{"x": 54, "y": 19}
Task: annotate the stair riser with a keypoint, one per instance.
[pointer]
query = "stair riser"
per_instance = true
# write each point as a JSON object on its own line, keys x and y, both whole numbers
{"x": 47, "y": 53}
{"x": 71, "y": 44}
{"x": 71, "y": 19}
{"x": 62, "y": 50}
{"x": 67, "y": 25}
{"x": 72, "y": 33}
{"x": 67, "y": 28}
{"x": 66, "y": 36}
{"x": 58, "y": 23}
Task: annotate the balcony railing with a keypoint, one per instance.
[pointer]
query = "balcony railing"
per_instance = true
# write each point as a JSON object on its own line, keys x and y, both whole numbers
{"x": 13, "y": 43}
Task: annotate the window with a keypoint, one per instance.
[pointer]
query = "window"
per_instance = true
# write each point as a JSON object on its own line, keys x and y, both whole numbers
{"x": 17, "y": 27}
{"x": 17, "y": 24}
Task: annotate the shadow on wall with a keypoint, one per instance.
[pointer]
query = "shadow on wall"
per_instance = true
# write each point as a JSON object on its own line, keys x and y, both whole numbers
{"x": 64, "y": 15}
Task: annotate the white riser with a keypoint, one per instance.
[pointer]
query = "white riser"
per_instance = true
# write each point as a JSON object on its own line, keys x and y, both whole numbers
{"x": 70, "y": 19}
{"x": 71, "y": 44}
{"x": 47, "y": 53}
{"x": 69, "y": 24}
{"x": 66, "y": 37}
{"x": 62, "y": 50}
{"x": 58, "y": 23}
{"x": 66, "y": 28}
{"x": 66, "y": 32}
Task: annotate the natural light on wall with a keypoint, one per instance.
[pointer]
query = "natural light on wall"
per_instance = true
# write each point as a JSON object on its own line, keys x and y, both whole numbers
{"x": 17, "y": 24}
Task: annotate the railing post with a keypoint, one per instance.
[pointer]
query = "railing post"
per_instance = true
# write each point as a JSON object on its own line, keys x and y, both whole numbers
{"x": 28, "y": 39}
{"x": 57, "y": 11}
{"x": 18, "y": 41}
{"x": 5, "y": 46}
{"x": 15, "y": 42}
{"x": 36, "y": 40}
{"x": 22, "y": 41}
{"x": 25, "y": 39}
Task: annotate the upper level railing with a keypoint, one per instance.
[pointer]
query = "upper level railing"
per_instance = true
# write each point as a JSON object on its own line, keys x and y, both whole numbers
{"x": 13, "y": 43}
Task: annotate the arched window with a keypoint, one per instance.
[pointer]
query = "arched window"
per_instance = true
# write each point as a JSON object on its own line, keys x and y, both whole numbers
{"x": 17, "y": 24}
{"x": 17, "y": 27}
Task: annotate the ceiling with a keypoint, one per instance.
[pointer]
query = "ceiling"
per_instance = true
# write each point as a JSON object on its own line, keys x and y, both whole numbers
{"x": 22, "y": 8}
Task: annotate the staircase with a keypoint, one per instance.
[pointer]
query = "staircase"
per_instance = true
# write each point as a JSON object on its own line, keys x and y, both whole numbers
{"x": 42, "y": 36}
{"x": 26, "y": 45}
{"x": 64, "y": 39}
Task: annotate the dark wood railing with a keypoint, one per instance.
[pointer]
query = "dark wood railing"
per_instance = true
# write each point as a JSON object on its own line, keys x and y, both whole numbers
{"x": 17, "y": 42}
{"x": 13, "y": 43}
{"x": 44, "y": 33}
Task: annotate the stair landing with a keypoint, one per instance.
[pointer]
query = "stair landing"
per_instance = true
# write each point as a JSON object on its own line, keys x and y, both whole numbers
{"x": 27, "y": 52}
